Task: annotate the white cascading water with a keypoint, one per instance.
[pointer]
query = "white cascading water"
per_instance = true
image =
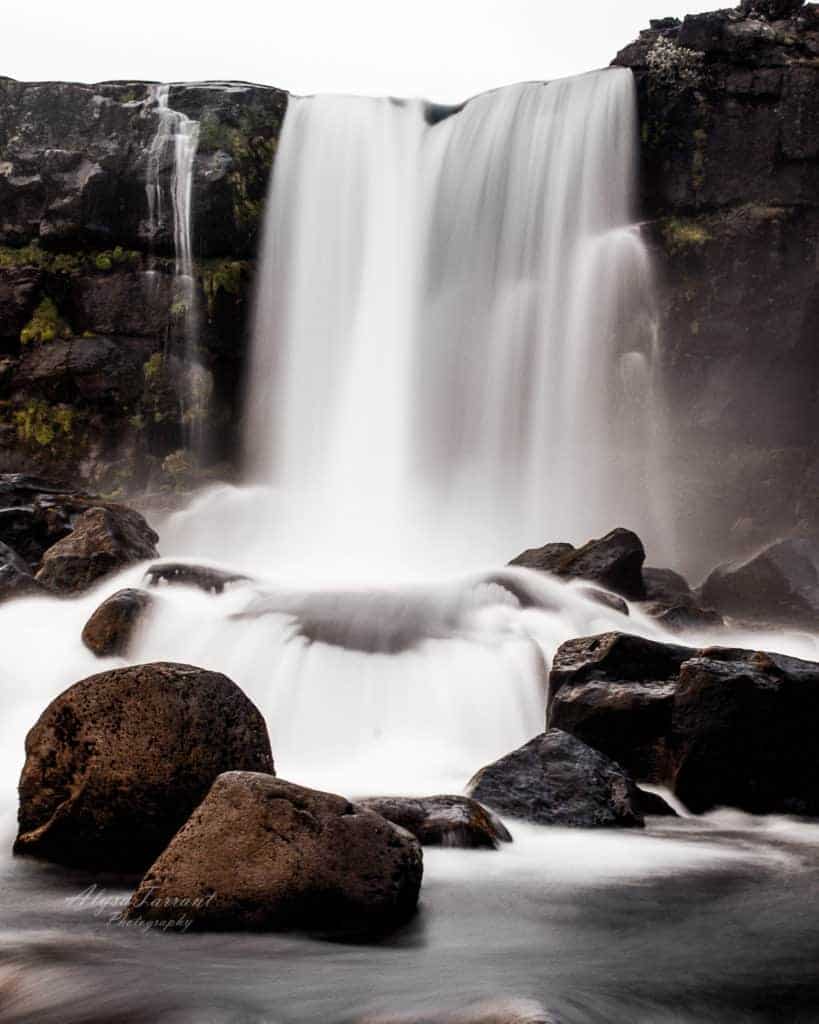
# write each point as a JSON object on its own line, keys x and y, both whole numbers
{"x": 177, "y": 140}
{"x": 454, "y": 358}
{"x": 455, "y": 341}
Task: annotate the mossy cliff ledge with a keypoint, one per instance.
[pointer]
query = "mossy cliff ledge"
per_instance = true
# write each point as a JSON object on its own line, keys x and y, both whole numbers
{"x": 92, "y": 319}
{"x": 729, "y": 111}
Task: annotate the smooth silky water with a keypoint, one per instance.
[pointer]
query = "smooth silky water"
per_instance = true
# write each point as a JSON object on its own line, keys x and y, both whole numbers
{"x": 455, "y": 357}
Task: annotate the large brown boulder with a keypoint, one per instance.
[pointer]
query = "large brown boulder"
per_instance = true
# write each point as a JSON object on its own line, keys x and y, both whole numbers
{"x": 116, "y": 763}
{"x": 111, "y": 627}
{"x": 103, "y": 540}
{"x": 262, "y": 853}
{"x": 442, "y": 820}
{"x": 556, "y": 779}
{"x": 614, "y": 561}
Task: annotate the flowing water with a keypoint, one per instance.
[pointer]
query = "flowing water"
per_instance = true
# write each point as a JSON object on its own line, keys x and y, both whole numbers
{"x": 169, "y": 194}
{"x": 455, "y": 357}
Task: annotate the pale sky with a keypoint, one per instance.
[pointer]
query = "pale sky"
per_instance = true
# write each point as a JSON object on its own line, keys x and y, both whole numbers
{"x": 443, "y": 49}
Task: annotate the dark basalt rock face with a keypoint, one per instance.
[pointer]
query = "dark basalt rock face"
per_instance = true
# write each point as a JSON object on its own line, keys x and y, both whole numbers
{"x": 93, "y": 389}
{"x": 556, "y": 779}
{"x": 778, "y": 585}
{"x": 442, "y": 820}
{"x": 111, "y": 627}
{"x": 261, "y": 853}
{"x": 729, "y": 110}
{"x": 116, "y": 763}
{"x": 718, "y": 726}
{"x": 614, "y": 561}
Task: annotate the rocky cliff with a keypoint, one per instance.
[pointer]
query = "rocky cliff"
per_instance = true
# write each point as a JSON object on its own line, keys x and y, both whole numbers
{"x": 729, "y": 109}
{"x": 91, "y": 346}
{"x": 91, "y": 342}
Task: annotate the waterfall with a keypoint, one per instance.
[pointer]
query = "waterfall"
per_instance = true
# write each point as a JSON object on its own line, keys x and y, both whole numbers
{"x": 455, "y": 335}
{"x": 175, "y": 142}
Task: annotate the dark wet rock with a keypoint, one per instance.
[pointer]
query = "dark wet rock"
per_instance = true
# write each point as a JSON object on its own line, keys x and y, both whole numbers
{"x": 18, "y": 297}
{"x": 261, "y": 853}
{"x": 116, "y": 763}
{"x": 545, "y": 559}
{"x": 774, "y": 10}
{"x": 779, "y": 585}
{"x": 616, "y": 693}
{"x": 653, "y": 805}
{"x": 442, "y": 820}
{"x": 614, "y": 561}
{"x": 556, "y": 779}
{"x": 683, "y": 618}
{"x": 111, "y": 627}
{"x": 615, "y": 656}
{"x": 608, "y": 600}
{"x": 102, "y": 541}
{"x": 744, "y": 733}
{"x": 667, "y": 587}
{"x": 16, "y": 579}
{"x": 209, "y": 580}
{"x": 35, "y": 513}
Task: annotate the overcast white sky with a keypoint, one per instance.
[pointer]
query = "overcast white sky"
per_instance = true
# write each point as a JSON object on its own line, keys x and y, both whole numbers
{"x": 443, "y": 49}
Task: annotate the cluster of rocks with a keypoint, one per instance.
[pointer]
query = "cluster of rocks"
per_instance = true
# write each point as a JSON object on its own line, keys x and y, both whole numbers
{"x": 55, "y": 539}
{"x": 778, "y": 585}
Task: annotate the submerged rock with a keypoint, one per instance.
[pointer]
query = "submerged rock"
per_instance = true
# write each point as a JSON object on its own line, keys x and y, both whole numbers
{"x": 614, "y": 561}
{"x": 442, "y": 820}
{"x": 556, "y": 779}
{"x": 262, "y": 853}
{"x": 111, "y": 627}
{"x": 117, "y": 762}
{"x": 102, "y": 541}
{"x": 209, "y": 580}
{"x": 680, "y": 618}
{"x": 778, "y": 585}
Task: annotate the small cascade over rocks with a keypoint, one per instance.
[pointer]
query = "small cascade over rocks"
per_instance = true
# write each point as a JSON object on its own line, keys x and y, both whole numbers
{"x": 169, "y": 209}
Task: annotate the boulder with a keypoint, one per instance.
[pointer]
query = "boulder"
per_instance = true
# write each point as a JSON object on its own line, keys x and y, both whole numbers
{"x": 682, "y": 618}
{"x": 744, "y": 729}
{"x": 116, "y": 763}
{"x": 604, "y": 598}
{"x": 667, "y": 587}
{"x": 556, "y": 779}
{"x": 102, "y": 541}
{"x": 210, "y": 580}
{"x": 616, "y": 693}
{"x": 261, "y": 853}
{"x": 780, "y": 584}
{"x": 16, "y": 579}
{"x": 614, "y": 561}
{"x": 111, "y": 627}
{"x": 35, "y": 513}
{"x": 442, "y": 820}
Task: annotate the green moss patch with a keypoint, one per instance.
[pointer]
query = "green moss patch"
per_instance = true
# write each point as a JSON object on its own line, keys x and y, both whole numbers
{"x": 45, "y": 325}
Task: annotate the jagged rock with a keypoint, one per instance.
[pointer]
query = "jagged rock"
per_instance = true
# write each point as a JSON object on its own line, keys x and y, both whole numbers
{"x": 116, "y": 763}
{"x": 556, "y": 779}
{"x": 744, "y": 733}
{"x": 35, "y": 513}
{"x": 614, "y": 561}
{"x": 111, "y": 627}
{"x": 261, "y": 853}
{"x": 719, "y": 726}
{"x": 102, "y": 541}
{"x": 780, "y": 584}
{"x": 16, "y": 579}
{"x": 209, "y": 580}
{"x": 682, "y": 618}
{"x": 774, "y": 10}
{"x": 616, "y": 693}
{"x": 18, "y": 297}
{"x": 442, "y": 820}
{"x": 667, "y": 587}
{"x": 545, "y": 559}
